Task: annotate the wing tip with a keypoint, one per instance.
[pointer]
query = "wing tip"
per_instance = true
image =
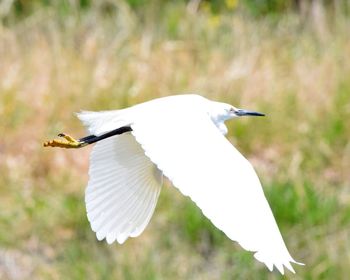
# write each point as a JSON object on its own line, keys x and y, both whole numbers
{"x": 83, "y": 115}
{"x": 112, "y": 237}
{"x": 287, "y": 263}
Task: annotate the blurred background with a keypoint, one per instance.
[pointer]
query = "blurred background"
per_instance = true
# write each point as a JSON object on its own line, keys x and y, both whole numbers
{"x": 288, "y": 59}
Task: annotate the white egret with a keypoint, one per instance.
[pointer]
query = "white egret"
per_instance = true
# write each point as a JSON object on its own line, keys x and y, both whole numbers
{"x": 182, "y": 138}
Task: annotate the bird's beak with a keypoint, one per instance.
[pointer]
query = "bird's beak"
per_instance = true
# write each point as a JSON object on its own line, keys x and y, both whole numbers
{"x": 241, "y": 112}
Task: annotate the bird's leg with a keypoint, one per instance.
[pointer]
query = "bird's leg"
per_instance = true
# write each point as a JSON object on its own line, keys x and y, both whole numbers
{"x": 68, "y": 143}
{"x": 93, "y": 139}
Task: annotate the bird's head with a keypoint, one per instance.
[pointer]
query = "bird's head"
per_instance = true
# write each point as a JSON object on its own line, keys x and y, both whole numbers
{"x": 236, "y": 112}
{"x": 223, "y": 111}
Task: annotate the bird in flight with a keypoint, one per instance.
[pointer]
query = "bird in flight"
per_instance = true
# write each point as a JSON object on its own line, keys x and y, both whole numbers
{"x": 181, "y": 137}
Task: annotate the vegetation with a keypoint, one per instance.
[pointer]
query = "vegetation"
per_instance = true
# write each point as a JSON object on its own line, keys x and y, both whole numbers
{"x": 113, "y": 54}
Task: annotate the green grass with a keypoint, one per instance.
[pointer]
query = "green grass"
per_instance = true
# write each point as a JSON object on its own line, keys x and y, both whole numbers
{"x": 294, "y": 71}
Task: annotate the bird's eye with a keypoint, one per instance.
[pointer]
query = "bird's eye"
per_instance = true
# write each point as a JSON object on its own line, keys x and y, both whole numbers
{"x": 232, "y": 110}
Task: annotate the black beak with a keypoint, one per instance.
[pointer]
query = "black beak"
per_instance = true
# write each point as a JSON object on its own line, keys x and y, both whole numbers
{"x": 241, "y": 112}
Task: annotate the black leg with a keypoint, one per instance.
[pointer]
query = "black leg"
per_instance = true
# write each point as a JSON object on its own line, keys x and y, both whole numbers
{"x": 93, "y": 138}
{"x": 70, "y": 142}
{"x": 86, "y": 138}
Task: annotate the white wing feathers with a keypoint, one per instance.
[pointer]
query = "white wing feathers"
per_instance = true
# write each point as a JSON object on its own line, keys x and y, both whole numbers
{"x": 190, "y": 150}
{"x": 203, "y": 164}
{"x": 123, "y": 189}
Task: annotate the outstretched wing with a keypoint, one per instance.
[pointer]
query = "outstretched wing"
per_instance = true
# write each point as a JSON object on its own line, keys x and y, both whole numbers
{"x": 123, "y": 189}
{"x": 203, "y": 165}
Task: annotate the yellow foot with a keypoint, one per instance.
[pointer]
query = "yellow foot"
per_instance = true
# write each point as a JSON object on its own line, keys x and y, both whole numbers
{"x": 68, "y": 143}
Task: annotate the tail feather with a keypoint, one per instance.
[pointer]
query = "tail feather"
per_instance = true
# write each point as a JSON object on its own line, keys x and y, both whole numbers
{"x": 98, "y": 123}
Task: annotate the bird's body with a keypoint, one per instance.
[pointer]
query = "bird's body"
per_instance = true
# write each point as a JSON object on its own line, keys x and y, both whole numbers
{"x": 182, "y": 138}
{"x": 101, "y": 122}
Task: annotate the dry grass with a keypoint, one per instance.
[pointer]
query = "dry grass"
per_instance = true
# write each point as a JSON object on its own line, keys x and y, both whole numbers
{"x": 298, "y": 74}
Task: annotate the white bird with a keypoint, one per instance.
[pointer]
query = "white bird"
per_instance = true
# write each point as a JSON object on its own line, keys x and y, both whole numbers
{"x": 182, "y": 138}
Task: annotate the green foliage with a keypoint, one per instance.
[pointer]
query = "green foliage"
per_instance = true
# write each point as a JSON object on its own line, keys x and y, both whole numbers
{"x": 263, "y": 8}
{"x": 14, "y": 114}
{"x": 22, "y": 8}
{"x": 336, "y": 129}
{"x": 293, "y": 205}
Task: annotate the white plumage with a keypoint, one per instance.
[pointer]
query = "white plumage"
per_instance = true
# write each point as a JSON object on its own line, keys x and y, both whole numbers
{"x": 123, "y": 189}
{"x": 182, "y": 138}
